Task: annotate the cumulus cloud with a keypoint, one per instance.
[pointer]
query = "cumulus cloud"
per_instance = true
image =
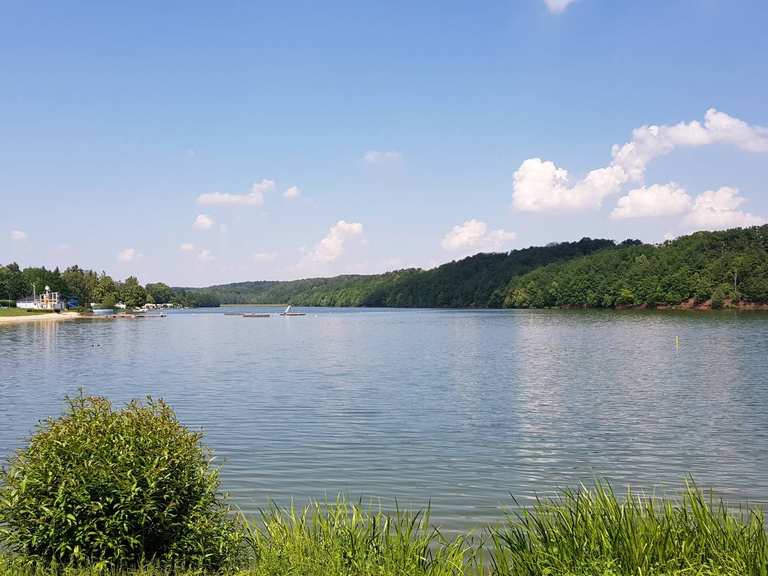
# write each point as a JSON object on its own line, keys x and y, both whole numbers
{"x": 128, "y": 255}
{"x": 292, "y": 193}
{"x": 330, "y": 248}
{"x": 203, "y": 222}
{"x": 263, "y": 257}
{"x": 558, "y": 6}
{"x": 18, "y": 235}
{"x": 474, "y": 235}
{"x": 540, "y": 185}
{"x": 253, "y": 198}
{"x": 187, "y": 247}
{"x": 381, "y": 157}
{"x": 710, "y": 210}
{"x": 657, "y": 200}
{"x": 719, "y": 209}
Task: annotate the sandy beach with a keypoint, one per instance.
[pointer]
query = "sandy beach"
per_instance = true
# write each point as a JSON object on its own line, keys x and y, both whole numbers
{"x": 53, "y": 317}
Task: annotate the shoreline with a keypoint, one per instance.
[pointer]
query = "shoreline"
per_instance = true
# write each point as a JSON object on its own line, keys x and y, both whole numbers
{"x": 51, "y": 317}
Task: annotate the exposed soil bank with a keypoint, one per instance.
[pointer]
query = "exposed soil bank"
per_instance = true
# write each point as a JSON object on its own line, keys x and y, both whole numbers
{"x": 692, "y": 304}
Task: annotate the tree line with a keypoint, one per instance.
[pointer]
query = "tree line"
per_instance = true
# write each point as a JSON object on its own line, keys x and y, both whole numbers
{"x": 715, "y": 268}
{"x": 474, "y": 282}
{"x": 710, "y": 268}
{"x": 89, "y": 287}
{"x": 704, "y": 268}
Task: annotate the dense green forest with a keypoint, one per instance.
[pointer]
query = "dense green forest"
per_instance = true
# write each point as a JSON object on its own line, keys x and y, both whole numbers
{"x": 704, "y": 269}
{"x": 87, "y": 287}
{"x": 710, "y": 268}
{"x": 474, "y": 282}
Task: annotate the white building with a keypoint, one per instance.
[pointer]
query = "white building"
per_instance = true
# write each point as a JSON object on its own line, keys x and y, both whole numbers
{"x": 46, "y": 301}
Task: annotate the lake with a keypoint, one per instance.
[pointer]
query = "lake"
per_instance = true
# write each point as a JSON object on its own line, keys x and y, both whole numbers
{"x": 458, "y": 408}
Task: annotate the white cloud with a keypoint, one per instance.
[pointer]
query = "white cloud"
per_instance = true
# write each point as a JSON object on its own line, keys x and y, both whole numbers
{"x": 292, "y": 193}
{"x": 657, "y": 200}
{"x": 18, "y": 235}
{"x": 187, "y": 247}
{"x": 263, "y": 257}
{"x": 541, "y": 186}
{"x": 253, "y": 198}
{"x": 128, "y": 255}
{"x": 331, "y": 247}
{"x": 474, "y": 235}
{"x": 711, "y": 210}
{"x": 381, "y": 157}
{"x": 203, "y": 222}
{"x": 205, "y": 256}
{"x": 718, "y": 209}
{"x": 558, "y": 6}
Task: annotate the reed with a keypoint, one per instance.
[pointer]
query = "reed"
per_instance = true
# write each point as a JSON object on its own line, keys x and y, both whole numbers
{"x": 588, "y": 532}
{"x": 585, "y": 532}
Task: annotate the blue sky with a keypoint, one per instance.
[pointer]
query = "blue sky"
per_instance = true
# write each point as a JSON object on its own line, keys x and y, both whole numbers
{"x": 160, "y": 139}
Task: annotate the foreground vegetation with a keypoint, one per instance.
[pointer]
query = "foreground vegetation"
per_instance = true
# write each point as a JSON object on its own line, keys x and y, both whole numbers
{"x": 583, "y": 533}
{"x": 105, "y": 491}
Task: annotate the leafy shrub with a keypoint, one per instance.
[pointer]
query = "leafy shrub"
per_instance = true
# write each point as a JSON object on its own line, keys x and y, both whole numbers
{"x": 116, "y": 488}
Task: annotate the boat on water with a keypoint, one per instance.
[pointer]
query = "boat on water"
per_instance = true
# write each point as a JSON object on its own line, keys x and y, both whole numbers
{"x": 289, "y": 313}
{"x": 255, "y": 315}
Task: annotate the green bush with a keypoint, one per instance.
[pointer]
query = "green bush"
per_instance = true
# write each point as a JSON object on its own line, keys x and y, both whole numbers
{"x": 116, "y": 488}
{"x": 8, "y": 303}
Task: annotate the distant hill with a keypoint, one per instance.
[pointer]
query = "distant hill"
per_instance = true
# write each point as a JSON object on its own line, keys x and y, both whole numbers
{"x": 705, "y": 269}
{"x": 474, "y": 282}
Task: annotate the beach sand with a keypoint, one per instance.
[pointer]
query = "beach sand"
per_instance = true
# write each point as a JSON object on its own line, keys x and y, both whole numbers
{"x": 53, "y": 317}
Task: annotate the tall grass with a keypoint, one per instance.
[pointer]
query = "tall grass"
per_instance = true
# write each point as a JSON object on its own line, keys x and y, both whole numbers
{"x": 594, "y": 532}
{"x": 346, "y": 539}
{"x": 586, "y": 532}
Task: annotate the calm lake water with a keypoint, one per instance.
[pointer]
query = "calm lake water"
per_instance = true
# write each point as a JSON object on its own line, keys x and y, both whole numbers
{"x": 460, "y": 408}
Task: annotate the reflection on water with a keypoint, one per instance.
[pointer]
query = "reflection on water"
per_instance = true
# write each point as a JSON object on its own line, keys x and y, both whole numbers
{"x": 459, "y": 408}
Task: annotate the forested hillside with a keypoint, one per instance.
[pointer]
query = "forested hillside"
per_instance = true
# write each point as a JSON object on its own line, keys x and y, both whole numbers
{"x": 705, "y": 268}
{"x": 474, "y": 282}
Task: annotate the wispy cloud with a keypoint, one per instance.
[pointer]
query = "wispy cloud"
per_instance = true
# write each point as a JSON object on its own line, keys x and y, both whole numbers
{"x": 382, "y": 157}
{"x": 187, "y": 247}
{"x": 128, "y": 255}
{"x": 263, "y": 257}
{"x": 292, "y": 193}
{"x": 558, "y": 6}
{"x": 205, "y": 256}
{"x": 474, "y": 235}
{"x": 203, "y": 222}
{"x": 253, "y": 198}
{"x": 331, "y": 247}
{"x": 18, "y": 235}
